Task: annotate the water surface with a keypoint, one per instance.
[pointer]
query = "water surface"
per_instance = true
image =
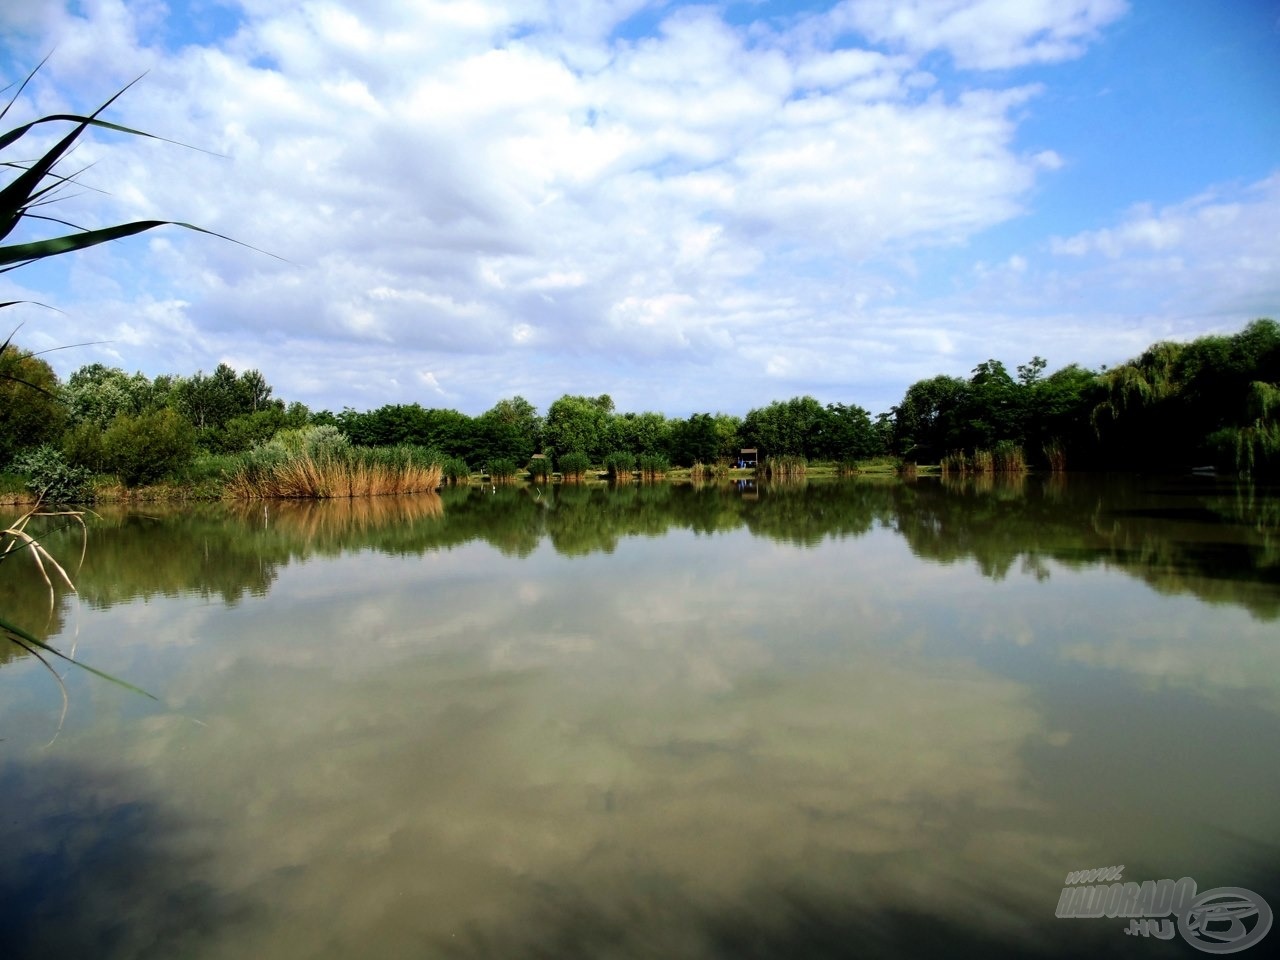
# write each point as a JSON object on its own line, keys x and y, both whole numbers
{"x": 843, "y": 720}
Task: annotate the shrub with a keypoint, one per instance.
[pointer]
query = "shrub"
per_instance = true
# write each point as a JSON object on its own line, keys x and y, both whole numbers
{"x": 575, "y": 465}
{"x": 48, "y": 475}
{"x": 83, "y": 447}
{"x": 620, "y": 465}
{"x": 848, "y": 468}
{"x": 148, "y": 447}
{"x": 502, "y": 470}
{"x": 652, "y": 466}
{"x": 455, "y": 470}
{"x": 539, "y": 468}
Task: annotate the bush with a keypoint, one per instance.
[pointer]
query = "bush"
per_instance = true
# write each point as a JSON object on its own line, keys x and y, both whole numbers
{"x": 83, "y": 447}
{"x": 575, "y": 465}
{"x": 653, "y": 466}
{"x": 620, "y": 465}
{"x": 149, "y": 447}
{"x": 502, "y": 470}
{"x": 48, "y": 475}
{"x": 455, "y": 470}
{"x": 539, "y": 468}
{"x": 245, "y": 431}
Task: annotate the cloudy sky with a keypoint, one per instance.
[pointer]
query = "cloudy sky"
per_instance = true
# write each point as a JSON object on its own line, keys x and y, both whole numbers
{"x": 687, "y": 206}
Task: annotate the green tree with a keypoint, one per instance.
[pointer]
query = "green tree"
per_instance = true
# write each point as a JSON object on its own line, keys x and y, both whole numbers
{"x": 695, "y": 440}
{"x": 255, "y": 392}
{"x": 927, "y": 423}
{"x": 97, "y": 394}
{"x": 848, "y": 434}
{"x": 30, "y": 411}
{"x": 579, "y": 424}
{"x": 639, "y": 433}
{"x": 793, "y": 427}
{"x": 728, "y": 435}
{"x": 510, "y": 430}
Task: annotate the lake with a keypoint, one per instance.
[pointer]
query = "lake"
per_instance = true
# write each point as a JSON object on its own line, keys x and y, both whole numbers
{"x": 846, "y": 719}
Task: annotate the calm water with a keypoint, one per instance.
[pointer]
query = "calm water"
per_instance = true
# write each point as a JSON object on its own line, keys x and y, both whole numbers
{"x": 845, "y": 720}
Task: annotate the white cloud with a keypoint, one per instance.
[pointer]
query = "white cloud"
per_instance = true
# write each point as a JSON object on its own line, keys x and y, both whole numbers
{"x": 509, "y": 197}
{"x": 1214, "y": 252}
{"x": 986, "y": 34}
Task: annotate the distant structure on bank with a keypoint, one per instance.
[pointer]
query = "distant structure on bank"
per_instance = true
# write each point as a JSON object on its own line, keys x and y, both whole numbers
{"x": 747, "y": 457}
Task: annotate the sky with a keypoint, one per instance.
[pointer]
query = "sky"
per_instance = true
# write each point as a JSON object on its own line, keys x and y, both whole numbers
{"x": 688, "y": 206}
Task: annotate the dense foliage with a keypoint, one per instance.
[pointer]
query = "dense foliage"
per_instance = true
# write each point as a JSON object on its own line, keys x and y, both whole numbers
{"x": 1214, "y": 400}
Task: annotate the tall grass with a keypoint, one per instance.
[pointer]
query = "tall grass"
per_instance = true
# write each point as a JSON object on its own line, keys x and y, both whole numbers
{"x": 502, "y": 470}
{"x": 703, "y": 472}
{"x": 455, "y": 470}
{"x": 652, "y": 466}
{"x": 539, "y": 468}
{"x": 621, "y": 466}
{"x": 955, "y": 463}
{"x": 342, "y": 472}
{"x": 1008, "y": 458}
{"x": 784, "y": 467}
{"x": 574, "y": 466}
{"x": 1055, "y": 455}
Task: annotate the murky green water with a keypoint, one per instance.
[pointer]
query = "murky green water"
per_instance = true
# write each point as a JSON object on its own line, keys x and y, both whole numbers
{"x": 845, "y": 720}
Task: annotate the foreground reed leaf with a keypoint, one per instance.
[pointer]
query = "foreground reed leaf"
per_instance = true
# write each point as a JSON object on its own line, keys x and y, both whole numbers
{"x": 22, "y": 638}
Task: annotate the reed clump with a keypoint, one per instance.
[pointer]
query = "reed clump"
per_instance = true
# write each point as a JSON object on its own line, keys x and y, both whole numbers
{"x": 955, "y": 463}
{"x": 574, "y": 466}
{"x": 652, "y": 466}
{"x": 502, "y": 470}
{"x": 341, "y": 472}
{"x": 1055, "y": 456}
{"x": 704, "y": 472}
{"x": 539, "y": 468}
{"x": 455, "y": 470}
{"x": 621, "y": 466}
{"x": 784, "y": 467}
{"x": 1006, "y": 457}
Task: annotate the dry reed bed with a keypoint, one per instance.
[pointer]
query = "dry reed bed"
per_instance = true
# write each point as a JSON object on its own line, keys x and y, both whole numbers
{"x": 350, "y": 473}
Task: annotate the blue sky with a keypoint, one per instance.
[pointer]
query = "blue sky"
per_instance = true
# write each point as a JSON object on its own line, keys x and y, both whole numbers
{"x": 687, "y": 206}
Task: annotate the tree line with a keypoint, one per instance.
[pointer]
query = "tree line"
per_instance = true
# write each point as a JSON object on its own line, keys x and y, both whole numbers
{"x": 1213, "y": 400}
